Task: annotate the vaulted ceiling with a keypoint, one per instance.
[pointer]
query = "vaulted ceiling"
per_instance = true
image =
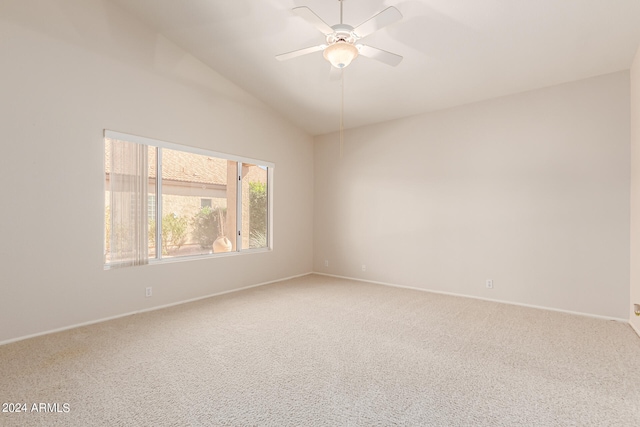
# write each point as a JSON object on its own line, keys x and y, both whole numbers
{"x": 455, "y": 51}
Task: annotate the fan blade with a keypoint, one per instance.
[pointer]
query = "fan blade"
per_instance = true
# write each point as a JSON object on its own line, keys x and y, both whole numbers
{"x": 380, "y": 55}
{"x": 376, "y": 22}
{"x": 335, "y": 73}
{"x": 299, "y": 52}
{"x": 313, "y": 19}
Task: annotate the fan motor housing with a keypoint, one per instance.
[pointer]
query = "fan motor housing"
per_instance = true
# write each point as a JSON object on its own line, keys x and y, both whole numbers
{"x": 342, "y": 32}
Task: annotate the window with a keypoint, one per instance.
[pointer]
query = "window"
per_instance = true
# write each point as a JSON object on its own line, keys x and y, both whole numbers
{"x": 165, "y": 201}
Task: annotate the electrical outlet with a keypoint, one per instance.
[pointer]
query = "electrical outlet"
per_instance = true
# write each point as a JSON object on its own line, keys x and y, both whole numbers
{"x": 489, "y": 284}
{"x": 326, "y": 263}
{"x": 364, "y": 267}
{"x": 148, "y": 291}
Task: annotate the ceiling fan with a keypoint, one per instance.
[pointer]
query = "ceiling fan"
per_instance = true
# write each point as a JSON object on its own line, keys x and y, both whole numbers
{"x": 341, "y": 45}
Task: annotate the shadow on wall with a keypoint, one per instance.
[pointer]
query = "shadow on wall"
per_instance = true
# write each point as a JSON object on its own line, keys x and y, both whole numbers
{"x": 82, "y": 27}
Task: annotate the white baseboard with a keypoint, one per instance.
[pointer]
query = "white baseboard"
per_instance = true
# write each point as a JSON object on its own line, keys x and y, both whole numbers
{"x": 160, "y": 307}
{"x": 597, "y": 316}
{"x": 105, "y": 319}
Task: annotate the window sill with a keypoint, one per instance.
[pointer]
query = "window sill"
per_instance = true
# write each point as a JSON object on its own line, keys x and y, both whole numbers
{"x": 200, "y": 257}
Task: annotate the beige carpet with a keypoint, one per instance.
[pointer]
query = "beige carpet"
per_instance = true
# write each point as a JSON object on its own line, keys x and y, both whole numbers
{"x": 324, "y": 351}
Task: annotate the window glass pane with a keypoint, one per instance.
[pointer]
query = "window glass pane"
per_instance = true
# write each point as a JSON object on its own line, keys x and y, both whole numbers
{"x": 255, "y": 207}
{"x": 188, "y": 226}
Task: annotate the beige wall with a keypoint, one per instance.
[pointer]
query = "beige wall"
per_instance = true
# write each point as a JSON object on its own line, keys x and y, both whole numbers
{"x": 72, "y": 68}
{"x": 530, "y": 190}
{"x": 635, "y": 191}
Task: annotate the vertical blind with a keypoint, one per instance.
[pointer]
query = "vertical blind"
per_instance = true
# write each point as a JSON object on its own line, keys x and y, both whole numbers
{"x": 128, "y": 189}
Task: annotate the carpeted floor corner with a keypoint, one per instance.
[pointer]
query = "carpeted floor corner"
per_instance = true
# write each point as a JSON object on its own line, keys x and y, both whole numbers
{"x": 324, "y": 351}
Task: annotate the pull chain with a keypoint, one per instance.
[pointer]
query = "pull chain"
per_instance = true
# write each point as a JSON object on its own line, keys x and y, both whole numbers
{"x": 341, "y": 97}
{"x": 341, "y": 110}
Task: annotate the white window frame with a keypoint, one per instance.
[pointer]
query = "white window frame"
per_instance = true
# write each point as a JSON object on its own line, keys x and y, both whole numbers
{"x": 158, "y": 201}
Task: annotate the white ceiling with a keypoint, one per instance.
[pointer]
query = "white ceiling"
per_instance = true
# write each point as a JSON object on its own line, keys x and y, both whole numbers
{"x": 455, "y": 51}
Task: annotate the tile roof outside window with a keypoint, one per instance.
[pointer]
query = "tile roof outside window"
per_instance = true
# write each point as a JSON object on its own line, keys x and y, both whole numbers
{"x": 185, "y": 167}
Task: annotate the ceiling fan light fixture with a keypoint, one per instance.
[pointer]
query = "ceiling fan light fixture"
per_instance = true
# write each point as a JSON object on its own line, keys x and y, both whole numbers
{"x": 340, "y": 54}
